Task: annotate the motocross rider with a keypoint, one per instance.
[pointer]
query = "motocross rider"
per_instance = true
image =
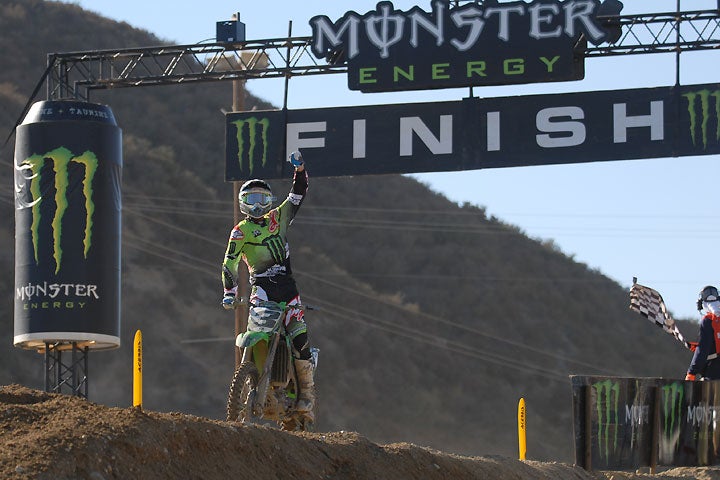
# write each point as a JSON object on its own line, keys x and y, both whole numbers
{"x": 260, "y": 240}
{"x": 704, "y": 364}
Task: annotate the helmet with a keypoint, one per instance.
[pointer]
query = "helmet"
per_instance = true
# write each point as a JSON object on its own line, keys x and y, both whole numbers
{"x": 255, "y": 198}
{"x": 707, "y": 294}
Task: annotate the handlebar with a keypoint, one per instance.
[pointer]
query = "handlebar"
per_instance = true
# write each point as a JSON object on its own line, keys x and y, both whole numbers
{"x": 243, "y": 301}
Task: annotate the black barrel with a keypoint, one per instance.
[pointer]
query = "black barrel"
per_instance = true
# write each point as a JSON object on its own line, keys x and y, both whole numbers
{"x": 68, "y": 166}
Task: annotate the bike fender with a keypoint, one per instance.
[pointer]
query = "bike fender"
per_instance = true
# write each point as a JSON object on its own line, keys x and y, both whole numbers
{"x": 248, "y": 339}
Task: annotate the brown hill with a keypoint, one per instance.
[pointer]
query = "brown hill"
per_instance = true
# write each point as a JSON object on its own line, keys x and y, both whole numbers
{"x": 50, "y": 436}
{"x": 435, "y": 319}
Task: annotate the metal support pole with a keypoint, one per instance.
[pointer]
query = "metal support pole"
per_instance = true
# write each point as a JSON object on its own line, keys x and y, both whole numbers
{"x": 287, "y": 66}
{"x": 655, "y": 435}
{"x": 86, "y": 363}
{"x": 677, "y": 42}
{"x": 587, "y": 419}
{"x": 46, "y": 363}
{"x": 73, "y": 371}
{"x": 57, "y": 372}
{"x": 241, "y": 312}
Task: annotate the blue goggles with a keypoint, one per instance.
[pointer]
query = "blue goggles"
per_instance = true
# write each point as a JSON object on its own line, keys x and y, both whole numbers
{"x": 252, "y": 198}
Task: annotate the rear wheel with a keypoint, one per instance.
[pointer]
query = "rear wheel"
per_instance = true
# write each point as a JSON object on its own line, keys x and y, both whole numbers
{"x": 242, "y": 395}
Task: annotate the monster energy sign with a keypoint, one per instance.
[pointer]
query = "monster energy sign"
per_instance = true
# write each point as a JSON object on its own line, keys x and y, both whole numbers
{"x": 475, "y": 44}
{"x": 67, "y": 198}
{"x": 276, "y": 247}
{"x": 256, "y": 144}
{"x": 478, "y": 133}
{"x": 252, "y": 145}
{"x": 704, "y": 110}
{"x": 621, "y": 420}
{"x": 61, "y": 159}
{"x": 672, "y": 402}
{"x": 607, "y": 404}
{"x": 621, "y": 423}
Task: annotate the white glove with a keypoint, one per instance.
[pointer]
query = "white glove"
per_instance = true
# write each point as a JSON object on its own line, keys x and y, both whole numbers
{"x": 228, "y": 301}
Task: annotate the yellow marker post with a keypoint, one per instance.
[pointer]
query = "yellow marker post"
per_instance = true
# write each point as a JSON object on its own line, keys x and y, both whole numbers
{"x": 522, "y": 427}
{"x": 137, "y": 370}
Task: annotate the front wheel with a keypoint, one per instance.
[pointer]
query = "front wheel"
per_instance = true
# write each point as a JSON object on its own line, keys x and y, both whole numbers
{"x": 242, "y": 395}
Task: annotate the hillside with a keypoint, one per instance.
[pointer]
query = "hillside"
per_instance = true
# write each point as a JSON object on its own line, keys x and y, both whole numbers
{"x": 434, "y": 318}
{"x": 49, "y": 436}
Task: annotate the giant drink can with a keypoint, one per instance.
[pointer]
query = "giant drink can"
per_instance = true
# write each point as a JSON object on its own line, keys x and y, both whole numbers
{"x": 68, "y": 164}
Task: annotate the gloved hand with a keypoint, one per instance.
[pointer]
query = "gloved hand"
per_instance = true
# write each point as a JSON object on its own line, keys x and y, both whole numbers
{"x": 228, "y": 301}
{"x": 690, "y": 376}
{"x": 296, "y": 159}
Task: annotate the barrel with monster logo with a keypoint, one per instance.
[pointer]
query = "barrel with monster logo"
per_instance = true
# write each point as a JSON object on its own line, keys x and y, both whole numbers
{"x": 68, "y": 163}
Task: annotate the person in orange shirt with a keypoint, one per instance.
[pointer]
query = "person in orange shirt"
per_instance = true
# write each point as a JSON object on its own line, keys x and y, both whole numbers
{"x": 704, "y": 364}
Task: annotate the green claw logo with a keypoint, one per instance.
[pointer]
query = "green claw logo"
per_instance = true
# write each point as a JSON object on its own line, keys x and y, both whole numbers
{"x": 672, "y": 403}
{"x": 277, "y": 250}
{"x": 608, "y": 396}
{"x": 699, "y": 121}
{"x": 61, "y": 159}
{"x": 255, "y": 128}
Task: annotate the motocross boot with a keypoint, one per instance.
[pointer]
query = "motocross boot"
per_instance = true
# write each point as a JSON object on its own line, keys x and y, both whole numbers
{"x": 272, "y": 407}
{"x": 306, "y": 400}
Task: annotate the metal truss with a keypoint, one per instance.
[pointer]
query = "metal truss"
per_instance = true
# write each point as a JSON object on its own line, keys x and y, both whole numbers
{"x": 662, "y": 33}
{"x": 74, "y": 75}
{"x": 68, "y": 375}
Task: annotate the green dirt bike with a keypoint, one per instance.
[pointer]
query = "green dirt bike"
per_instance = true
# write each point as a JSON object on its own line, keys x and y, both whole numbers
{"x": 265, "y": 386}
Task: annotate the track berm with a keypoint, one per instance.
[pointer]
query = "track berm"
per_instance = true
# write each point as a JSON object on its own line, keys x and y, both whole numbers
{"x": 53, "y": 436}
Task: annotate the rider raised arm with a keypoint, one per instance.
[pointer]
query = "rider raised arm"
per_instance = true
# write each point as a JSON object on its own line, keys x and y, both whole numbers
{"x": 260, "y": 239}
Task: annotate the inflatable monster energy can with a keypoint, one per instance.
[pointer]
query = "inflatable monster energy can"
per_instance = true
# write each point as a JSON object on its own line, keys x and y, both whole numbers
{"x": 68, "y": 164}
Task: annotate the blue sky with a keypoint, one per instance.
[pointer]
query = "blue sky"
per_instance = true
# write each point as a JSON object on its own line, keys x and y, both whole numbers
{"x": 655, "y": 219}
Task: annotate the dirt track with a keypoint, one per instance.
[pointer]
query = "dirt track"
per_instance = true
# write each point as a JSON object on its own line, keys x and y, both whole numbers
{"x": 48, "y": 436}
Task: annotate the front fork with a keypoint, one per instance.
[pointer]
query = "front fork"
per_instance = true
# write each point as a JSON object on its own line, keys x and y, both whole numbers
{"x": 262, "y": 355}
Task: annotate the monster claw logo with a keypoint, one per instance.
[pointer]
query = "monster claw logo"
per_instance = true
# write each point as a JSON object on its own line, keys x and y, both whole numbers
{"x": 277, "y": 250}
{"x": 61, "y": 159}
{"x": 699, "y": 121}
{"x": 608, "y": 396}
{"x": 256, "y": 128}
{"x": 672, "y": 403}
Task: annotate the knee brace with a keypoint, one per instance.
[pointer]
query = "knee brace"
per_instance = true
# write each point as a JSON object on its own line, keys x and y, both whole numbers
{"x": 300, "y": 347}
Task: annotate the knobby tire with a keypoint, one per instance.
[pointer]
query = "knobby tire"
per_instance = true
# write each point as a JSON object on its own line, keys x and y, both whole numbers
{"x": 241, "y": 398}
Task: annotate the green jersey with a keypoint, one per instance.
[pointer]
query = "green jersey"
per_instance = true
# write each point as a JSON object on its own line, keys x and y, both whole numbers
{"x": 262, "y": 242}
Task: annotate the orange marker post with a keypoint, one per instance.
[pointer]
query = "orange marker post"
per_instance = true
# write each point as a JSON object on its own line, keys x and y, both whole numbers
{"x": 137, "y": 370}
{"x": 522, "y": 427}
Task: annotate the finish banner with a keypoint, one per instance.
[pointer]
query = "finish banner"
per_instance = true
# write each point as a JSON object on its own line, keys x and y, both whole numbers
{"x": 477, "y": 133}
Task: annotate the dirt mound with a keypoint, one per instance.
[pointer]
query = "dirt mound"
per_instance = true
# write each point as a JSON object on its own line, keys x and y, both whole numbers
{"x": 44, "y": 436}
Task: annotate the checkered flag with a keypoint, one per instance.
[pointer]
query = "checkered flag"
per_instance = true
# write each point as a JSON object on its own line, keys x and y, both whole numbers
{"x": 648, "y": 303}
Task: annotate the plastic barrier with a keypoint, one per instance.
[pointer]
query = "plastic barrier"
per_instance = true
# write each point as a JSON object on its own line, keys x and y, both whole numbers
{"x": 621, "y": 423}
